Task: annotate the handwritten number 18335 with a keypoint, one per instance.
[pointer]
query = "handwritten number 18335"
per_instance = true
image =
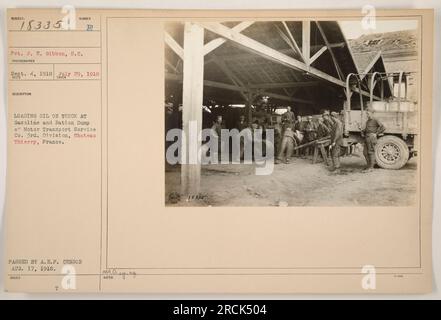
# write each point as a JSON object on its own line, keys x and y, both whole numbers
{"x": 34, "y": 25}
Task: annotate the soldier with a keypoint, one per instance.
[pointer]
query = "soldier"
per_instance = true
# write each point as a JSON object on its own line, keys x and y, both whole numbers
{"x": 299, "y": 124}
{"x": 288, "y": 116}
{"x": 256, "y": 125}
{"x": 373, "y": 129}
{"x": 336, "y": 141}
{"x": 322, "y": 129}
{"x": 287, "y": 144}
{"x": 310, "y": 130}
{"x": 310, "y": 134}
{"x": 241, "y": 124}
{"x": 327, "y": 120}
{"x": 216, "y": 130}
{"x": 218, "y": 126}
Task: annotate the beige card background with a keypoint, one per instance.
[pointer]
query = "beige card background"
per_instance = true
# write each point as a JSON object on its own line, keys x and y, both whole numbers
{"x": 103, "y": 201}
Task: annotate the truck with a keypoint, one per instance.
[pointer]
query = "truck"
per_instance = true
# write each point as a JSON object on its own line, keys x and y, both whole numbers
{"x": 397, "y": 112}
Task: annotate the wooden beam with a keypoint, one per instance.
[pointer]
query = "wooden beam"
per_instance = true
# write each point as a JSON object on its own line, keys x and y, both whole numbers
{"x": 208, "y": 83}
{"x": 267, "y": 75}
{"x": 215, "y": 43}
{"x": 272, "y": 54}
{"x": 175, "y": 69}
{"x": 227, "y": 86}
{"x": 276, "y": 85}
{"x": 294, "y": 42}
{"x": 192, "y": 99}
{"x": 236, "y": 56}
{"x": 221, "y": 85}
{"x": 338, "y": 45}
{"x": 174, "y": 45}
{"x": 306, "y": 41}
{"x": 267, "y": 52}
{"x": 285, "y": 98}
{"x": 328, "y": 45}
{"x": 287, "y": 92}
{"x": 317, "y": 54}
{"x": 289, "y": 39}
{"x": 297, "y": 78}
{"x": 225, "y": 69}
{"x": 291, "y": 91}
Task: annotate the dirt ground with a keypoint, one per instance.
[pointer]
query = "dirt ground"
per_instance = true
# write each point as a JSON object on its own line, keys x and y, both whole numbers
{"x": 300, "y": 183}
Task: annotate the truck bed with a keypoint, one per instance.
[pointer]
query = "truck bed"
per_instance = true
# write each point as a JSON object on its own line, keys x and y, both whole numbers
{"x": 396, "y": 122}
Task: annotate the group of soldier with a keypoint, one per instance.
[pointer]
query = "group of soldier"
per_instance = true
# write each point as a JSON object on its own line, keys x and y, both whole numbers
{"x": 304, "y": 132}
{"x": 297, "y": 132}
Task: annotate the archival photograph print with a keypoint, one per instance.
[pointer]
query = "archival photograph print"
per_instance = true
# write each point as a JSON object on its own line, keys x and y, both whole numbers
{"x": 291, "y": 113}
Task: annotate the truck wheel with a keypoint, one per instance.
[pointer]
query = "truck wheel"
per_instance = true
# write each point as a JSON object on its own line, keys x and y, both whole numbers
{"x": 391, "y": 152}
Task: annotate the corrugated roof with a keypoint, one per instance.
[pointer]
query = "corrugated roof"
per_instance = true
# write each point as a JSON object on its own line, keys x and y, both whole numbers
{"x": 388, "y": 42}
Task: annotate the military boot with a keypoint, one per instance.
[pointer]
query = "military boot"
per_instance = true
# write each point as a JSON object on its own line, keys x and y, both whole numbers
{"x": 372, "y": 161}
{"x": 368, "y": 161}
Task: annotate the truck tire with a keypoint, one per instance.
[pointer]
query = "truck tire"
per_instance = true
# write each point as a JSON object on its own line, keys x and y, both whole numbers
{"x": 391, "y": 152}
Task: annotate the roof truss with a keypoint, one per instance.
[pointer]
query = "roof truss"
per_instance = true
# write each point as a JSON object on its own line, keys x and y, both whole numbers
{"x": 272, "y": 54}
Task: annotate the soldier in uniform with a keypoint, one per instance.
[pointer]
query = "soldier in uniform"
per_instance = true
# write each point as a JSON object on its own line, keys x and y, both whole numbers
{"x": 299, "y": 124}
{"x": 287, "y": 144}
{"x": 241, "y": 124}
{"x": 288, "y": 116}
{"x": 218, "y": 125}
{"x": 327, "y": 119}
{"x": 336, "y": 141}
{"x": 322, "y": 129}
{"x": 373, "y": 129}
{"x": 310, "y": 130}
{"x": 216, "y": 130}
{"x": 310, "y": 134}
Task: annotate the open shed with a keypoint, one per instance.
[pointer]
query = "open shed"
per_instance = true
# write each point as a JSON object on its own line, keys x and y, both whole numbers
{"x": 302, "y": 64}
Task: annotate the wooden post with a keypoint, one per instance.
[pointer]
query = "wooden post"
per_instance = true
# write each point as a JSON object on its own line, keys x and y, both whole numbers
{"x": 306, "y": 41}
{"x": 193, "y": 85}
{"x": 248, "y": 110}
